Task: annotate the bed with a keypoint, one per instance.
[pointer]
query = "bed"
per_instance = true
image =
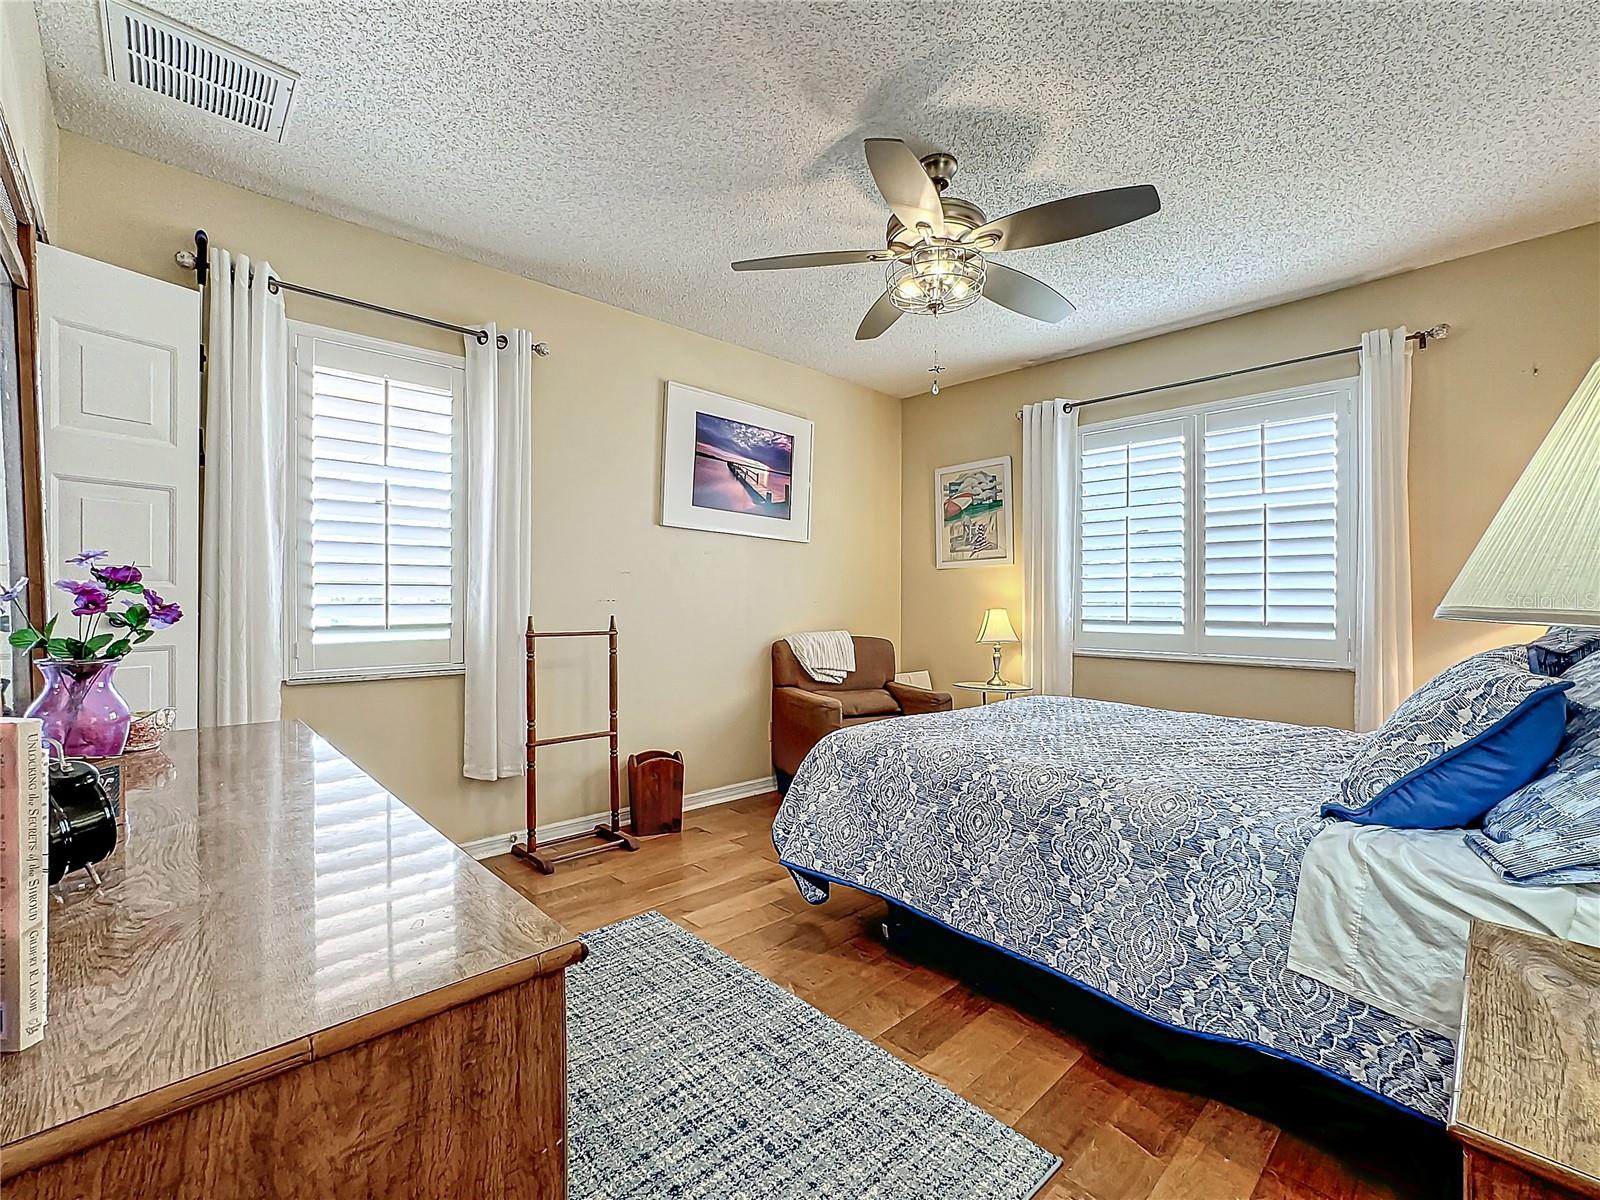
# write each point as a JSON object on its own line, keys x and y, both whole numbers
{"x": 1152, "y": 857}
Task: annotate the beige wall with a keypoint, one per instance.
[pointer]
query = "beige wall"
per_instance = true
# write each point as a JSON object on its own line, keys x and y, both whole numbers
{"x": 1525, "y": 323}
{"x": 697, "y": 611}
{"x": 25, "y": 100}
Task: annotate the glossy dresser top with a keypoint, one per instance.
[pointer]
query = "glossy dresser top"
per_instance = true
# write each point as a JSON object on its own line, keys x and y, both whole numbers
{"x": 266, "y": 894}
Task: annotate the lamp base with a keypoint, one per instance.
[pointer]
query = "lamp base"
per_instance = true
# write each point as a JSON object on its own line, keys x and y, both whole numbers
{"x": 995, "y": 680}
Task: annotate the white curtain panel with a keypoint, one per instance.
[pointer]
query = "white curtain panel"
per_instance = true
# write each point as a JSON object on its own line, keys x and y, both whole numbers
{"x": 242, "y": 532}
{"x": 499, "y": 551}
{"x": 1049, "y": 544}
{"x": 1383, "y": 539}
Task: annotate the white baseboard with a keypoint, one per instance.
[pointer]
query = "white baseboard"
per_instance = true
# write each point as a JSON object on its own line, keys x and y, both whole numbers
{"x": 500, "y": 843}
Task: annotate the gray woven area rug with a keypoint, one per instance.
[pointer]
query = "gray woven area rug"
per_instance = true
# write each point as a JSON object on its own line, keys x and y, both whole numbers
{"x": 692, "y": 1076}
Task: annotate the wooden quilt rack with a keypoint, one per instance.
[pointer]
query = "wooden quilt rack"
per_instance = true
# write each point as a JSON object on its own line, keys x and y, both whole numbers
{"x": 611, "y": 836}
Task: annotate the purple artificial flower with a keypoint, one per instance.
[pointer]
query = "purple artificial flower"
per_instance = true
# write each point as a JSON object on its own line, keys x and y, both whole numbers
{"x": 84, "y": 558}
{"x": 77, "y": 586}
{"x": 92, "y": 601}
{"x": 128, "y": 574}
{"x": 13, "y": 593}
{"x": 162, "y": 613}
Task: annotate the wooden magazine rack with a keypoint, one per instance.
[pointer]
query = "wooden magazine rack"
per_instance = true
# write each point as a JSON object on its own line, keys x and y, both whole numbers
{"x": 610, "y": 836}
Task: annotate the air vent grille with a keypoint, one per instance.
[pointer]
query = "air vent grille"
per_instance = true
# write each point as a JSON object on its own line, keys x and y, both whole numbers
{"x": 172, "y": 60}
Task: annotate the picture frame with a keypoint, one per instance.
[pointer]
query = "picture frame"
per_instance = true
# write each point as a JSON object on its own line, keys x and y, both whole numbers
{"x": 729, "y": 466}
{"x": 973, "y": 514}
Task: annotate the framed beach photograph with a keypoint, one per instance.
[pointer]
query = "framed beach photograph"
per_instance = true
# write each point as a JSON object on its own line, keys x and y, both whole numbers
{"x": 732, "y": 467}
{"x": 972, "y": 509}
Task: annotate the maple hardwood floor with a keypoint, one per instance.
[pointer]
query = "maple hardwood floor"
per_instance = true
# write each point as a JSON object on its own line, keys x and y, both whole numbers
{"x": 1135, "y": 1112}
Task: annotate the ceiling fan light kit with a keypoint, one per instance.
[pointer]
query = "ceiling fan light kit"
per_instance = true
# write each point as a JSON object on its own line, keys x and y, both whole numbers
{"x": 935, "y": 244}
{"x": 936, "y": 277}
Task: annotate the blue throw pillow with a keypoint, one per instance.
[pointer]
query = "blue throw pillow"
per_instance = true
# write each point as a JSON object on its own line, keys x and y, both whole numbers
{"x": 1457, "y": 746}
{"x": 1562, "y": 648}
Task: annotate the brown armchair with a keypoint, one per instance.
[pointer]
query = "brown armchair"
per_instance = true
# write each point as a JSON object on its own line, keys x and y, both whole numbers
{"x": 805, "y": 710}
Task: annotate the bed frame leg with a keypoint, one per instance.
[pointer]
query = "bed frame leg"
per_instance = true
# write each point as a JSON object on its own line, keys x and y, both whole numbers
{"x": 896, "y": 927}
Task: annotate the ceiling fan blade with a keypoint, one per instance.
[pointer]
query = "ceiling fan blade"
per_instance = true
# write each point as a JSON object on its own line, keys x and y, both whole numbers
{"x": 825, "y": 258}
{"x": 1024, "y": 294}
{"x": 1070, "y": 217}
{"x": 905, "y": 185}
{"x": 879, "y": 317}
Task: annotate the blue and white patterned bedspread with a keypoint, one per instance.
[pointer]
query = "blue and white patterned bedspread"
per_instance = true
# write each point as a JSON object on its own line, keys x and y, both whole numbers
{"x": 1150, "y": 855}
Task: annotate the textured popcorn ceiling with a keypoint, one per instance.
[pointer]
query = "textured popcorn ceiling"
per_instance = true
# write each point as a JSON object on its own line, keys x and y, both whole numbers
{"x": 630, "y": 151}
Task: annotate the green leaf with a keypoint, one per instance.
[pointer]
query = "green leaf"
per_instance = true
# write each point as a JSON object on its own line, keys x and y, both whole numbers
{"x": 98, "y": 643}
{"x": 115, "y": 619}
{"x": 62, "y": 648}
{"x": 118, "y": 648}
{"x": 143, "y": 635}
{"x": 50, "y": 626}
{"x": 24, "y": 638}
{"x": 136, "y": 615}
{"x": 128, "y": 587}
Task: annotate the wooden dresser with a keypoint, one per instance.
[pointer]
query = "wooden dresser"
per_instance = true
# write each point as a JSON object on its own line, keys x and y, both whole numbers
{"x": 1527, "y": 1096}
{"x": 289, "y": 985}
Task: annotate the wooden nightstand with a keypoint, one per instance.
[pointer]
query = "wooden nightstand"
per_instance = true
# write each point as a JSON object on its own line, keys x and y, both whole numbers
{"x": 1527, "y": 1094}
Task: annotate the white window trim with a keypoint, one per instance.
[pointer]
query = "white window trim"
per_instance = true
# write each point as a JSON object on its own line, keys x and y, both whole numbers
{"x": 301, "y": 335}
{"x": 1193, "y": 645}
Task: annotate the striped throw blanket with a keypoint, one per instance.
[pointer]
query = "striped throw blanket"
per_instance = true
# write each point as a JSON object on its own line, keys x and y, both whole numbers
{"x": 827, "y": 657}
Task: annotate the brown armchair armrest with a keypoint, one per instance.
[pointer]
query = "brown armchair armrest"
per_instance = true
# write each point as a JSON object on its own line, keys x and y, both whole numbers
{"x": 811, "y": 710}
{"x": 800, "y": 719}
{"x": 918, "y": 700}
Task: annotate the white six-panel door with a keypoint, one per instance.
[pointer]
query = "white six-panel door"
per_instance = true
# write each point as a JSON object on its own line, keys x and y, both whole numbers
{"x": 120, "y": 372}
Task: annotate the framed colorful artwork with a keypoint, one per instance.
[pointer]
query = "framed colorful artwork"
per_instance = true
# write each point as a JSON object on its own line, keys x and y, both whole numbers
{"x": 729, "y": 466}
{"x": 972, "y": 513}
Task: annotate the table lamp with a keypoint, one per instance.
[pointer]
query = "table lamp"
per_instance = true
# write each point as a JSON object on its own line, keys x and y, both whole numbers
{"x": 1538, "y": 563}
{"x": 997, "y": 631}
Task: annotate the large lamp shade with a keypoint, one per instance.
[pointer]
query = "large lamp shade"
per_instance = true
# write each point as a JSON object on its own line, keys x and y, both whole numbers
{"x": 996, "y": 627}
{"x": 1538, "y": 563}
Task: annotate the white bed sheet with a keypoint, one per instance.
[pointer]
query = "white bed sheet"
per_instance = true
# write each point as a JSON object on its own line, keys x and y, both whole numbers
{"x": 1382, "y": 914}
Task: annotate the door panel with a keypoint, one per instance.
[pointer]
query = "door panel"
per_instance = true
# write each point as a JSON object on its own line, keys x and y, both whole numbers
{"x": 136, "y": 522}
{"x": 120, "y": 367}
{"x": 114, "y": 385}
{"x": 145, "y": 677}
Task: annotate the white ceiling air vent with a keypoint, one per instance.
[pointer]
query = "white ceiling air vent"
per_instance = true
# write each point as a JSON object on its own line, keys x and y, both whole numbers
{"x": 172, "y": 60}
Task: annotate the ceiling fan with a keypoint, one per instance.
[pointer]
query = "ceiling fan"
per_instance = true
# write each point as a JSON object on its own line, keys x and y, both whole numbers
{"x": 936, "y": 244}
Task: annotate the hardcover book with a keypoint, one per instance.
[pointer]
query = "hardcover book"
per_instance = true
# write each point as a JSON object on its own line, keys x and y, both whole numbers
{"x": 24, "y": 899}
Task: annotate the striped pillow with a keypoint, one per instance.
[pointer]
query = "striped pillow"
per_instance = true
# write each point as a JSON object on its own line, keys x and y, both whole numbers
{"x": 1457, "y": 746}
{"x": 1549, "y": 831}
{"x": 1542, "y": 860}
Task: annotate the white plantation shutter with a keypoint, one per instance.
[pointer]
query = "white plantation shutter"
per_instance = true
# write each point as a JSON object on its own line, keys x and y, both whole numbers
{"x": 377, "y": 503}
{"x": 1131, "y": 549}
{"x": 1271, "y": 542}
{"x": 1222, "y": 532}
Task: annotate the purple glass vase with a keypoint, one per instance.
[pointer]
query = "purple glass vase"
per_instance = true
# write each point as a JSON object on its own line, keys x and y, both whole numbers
{"x": 81, "y": 709}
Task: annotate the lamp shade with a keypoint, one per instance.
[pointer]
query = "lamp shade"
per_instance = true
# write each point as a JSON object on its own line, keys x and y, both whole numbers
{"x": 997, "y": 627}
{"x": 1538, "y": 563}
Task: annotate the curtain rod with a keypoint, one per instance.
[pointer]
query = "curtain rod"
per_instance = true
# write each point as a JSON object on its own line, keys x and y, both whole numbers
{"x": 1422, "y": 337}
{"x": 196, "y": 261}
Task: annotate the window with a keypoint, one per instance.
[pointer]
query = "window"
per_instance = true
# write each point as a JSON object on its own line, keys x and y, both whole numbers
{"x": 1135, "y": 495}
{"x": 1222, "y": 532}
{"x": 377, "y": 544}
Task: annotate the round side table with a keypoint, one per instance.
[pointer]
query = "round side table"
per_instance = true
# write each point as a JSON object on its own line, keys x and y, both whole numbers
{"x": 1002, "y": 690}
